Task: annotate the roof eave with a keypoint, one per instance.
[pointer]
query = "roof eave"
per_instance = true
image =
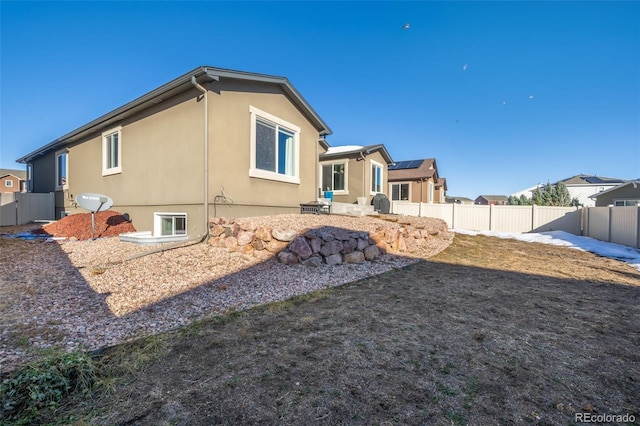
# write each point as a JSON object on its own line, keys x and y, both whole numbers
{"x": 211, "y": 73}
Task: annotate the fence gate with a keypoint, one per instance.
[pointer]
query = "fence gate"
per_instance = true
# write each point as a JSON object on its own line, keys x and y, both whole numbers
{"x": 19, "y": 208}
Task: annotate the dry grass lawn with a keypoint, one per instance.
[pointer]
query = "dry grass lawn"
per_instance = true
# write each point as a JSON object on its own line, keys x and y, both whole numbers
{"x": 489, "y": 331}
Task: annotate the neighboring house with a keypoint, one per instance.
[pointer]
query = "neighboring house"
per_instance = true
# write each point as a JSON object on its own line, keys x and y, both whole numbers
{"x": 528, "y": 192}
{"x": 212, "y": 142}
{"x": 353, "y": 171}
{"x": 625, "y": 194}
{"x": 458, "y": 200}
{"x": 583, "y": 187}
{"x": 417, "y": 181}
{"x": 487, "y": 200}
{"x": 13, "y": 180}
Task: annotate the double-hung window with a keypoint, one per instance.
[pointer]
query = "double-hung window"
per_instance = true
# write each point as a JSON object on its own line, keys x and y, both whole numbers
{"x": 400, "y": 191}
{"x": 376, "y": 178}
{"x": 112, "y": 152}
{"x": 275, "y": 148}
{"x": 334, "y": 177}
{"x": 8, "y": 183}
{"x": 61, "y": 170}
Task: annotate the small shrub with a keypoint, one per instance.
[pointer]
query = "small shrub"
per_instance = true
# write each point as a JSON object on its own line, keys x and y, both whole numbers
{"x": 43, "y": 384}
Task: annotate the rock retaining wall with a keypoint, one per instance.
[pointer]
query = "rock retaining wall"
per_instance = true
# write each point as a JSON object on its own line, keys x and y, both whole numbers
{"x": 322, "y": 246}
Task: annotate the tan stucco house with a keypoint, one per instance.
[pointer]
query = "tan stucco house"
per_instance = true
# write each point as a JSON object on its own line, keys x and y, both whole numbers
{"x": 417, "y": 181}
{"x": 625, "y": 194}
{"x": 354, "y": 171}
{"x": 212, "y": 142}
{"x": 12, "y": 180}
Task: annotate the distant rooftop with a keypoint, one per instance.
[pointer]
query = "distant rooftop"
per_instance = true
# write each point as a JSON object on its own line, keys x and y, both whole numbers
{"x": 591, "y": 180}
{"x": 345, "y": 148}
{"x": 20, "y": 174}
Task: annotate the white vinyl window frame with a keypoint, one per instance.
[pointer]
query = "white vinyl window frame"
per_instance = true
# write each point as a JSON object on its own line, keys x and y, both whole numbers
{"x": 345, "y": 163}
{"x": 626, "y": 202}
{"x": 293, "y": 161}
{"x": 376, "y": 179}
{"x": 62, "y": 170}
{"x": 399, "y": 184}
{"x": 169, "y": 224}
{"x": 8, "y": 183}
{"x": 112, "y": 152}
{"x": 29, "y": 183}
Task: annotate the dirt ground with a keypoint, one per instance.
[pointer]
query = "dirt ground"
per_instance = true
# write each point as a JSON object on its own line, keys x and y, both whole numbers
{"x": 489, "y": 331}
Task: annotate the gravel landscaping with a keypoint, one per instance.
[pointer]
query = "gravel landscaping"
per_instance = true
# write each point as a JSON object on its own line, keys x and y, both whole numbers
{"x": 88, "y": 295}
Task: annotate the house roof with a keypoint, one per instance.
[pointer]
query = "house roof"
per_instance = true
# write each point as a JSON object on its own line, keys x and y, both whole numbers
{"x": 413, "y": 170}
{"x": 20, "y": 174}
{"x": 494, "y": 197}
{"x": 590, "y": 180}
{"x": 441, "y": 182}
{"x": 451, "y": 199}
{"x": 347, "y": 151}
{"x": 172, "y": 88}
{"x": 635, "y": 183}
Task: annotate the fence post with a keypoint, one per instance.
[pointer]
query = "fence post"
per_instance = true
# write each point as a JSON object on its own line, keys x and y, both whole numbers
{"x": 585, "y": 224}
{"x": 609, "y": 222}
{"x": 638, "y": 228}
{"x": 492, "y": 225}
{"x": 534, "y": 217}
{"x": 453, "y": 216}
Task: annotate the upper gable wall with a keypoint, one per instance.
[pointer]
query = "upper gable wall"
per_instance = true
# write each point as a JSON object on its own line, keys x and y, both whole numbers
{"x": 628, "y": 192}
{"x": 231, "y": 145}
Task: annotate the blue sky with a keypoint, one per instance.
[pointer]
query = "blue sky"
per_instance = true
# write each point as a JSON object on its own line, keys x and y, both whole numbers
{"x": 504, "y": 95}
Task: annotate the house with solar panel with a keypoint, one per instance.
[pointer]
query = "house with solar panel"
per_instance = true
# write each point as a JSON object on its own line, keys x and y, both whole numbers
{"x": 353, "y": 173}
{"x": 417, "y": 181}
{"x": 583, "y": 187}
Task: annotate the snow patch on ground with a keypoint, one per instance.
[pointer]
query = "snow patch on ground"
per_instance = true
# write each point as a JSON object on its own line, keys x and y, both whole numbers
{"x": 561, "y": 238}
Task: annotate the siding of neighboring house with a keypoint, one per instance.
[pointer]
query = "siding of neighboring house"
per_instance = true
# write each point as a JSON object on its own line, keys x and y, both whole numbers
{"x": 625, "y": 192}
{"x": 359, "y": 177}
{"x": 162, "y": 162}
{"x": 10, "y": 183}
{"x": 487, "y": 200}
{"x": 424, "y": 183}
{"x": 12, "y": 180}
{"x": 583, "y": 187}
{"x": 583, "y": 192}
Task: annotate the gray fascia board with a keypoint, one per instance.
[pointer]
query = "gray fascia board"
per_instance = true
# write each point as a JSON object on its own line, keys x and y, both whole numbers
{"x": 383, "y": 151}
{"x": 364, "y": 150}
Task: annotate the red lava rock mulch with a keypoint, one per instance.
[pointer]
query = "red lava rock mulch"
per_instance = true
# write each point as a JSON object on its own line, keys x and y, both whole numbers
{"x": 109, "y": 223}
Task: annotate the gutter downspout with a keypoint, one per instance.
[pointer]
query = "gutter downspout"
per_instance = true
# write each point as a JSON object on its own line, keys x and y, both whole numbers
{"x": 206, "y": 154}
{"x": 364, "y": 171}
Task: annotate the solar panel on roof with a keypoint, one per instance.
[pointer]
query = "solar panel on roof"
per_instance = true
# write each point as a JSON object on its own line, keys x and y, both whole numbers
{"x": 401, "y": 165}
{"x": 593, "y": 179}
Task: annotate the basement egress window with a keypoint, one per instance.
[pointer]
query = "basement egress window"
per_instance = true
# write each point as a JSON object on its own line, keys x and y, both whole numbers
{"x": 167, "y": 224}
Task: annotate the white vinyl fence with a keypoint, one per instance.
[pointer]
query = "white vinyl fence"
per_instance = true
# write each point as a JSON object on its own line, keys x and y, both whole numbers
{"x": 619, "y": 225}
{"x": 18, "y": 208}
{"x": 497, "y": 218}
